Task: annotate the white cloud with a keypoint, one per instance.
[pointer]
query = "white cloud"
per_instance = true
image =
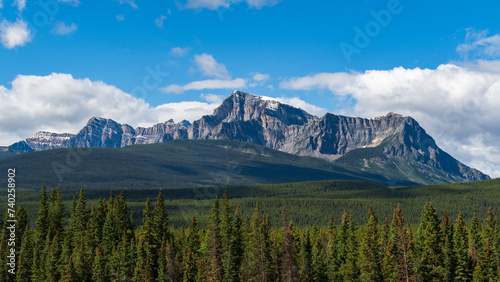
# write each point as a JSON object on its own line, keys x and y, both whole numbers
{"x": 62, "y": 29}
{"x": 70, "y": 2}
{"x": 237, "y": 83}
{"x": 159, "y": 21}
{"x": 14, "y": 34}
{"x": 457, "y": 104}
{"x": 212, "y": 98}
{"x": 478, "y": 45}
{"x": 120, "y": 17}
{"x": 179, "y": 52}
{"x": 61, "y": 103}
{"x": 20, "y": 4}
{"x": 1, "y": 4}
{"x": 298, "y": 103}
{"x": 130, "y": 2}
{"x": 259, "y": 79}
{"x": 216, "y": 4}
{"x": 207, "y": 65}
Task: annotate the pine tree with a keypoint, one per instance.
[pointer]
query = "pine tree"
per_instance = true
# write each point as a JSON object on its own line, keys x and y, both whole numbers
{"x": 305, "y": 255}
{"x": 215, "y": 270}
{"x": 56, "y": 214}
{"x": 463, "y": 266}
{"x": 289, "y": 264}
{"x": 21, "y": 224}
{"x": 168, "y": 267}
{"x": 319, "y": 262}
{"x": 160, "y": 223}
{"x": 191, "y": 254}
{"x": 226, "y": 237}
{"x": 100, "y": 271}
{"x": 429, "y": 246}
{"x": 81, "y": 216}
{"x": 237, "y": 249}
{"x": 123, "y": 260}
{"x": 486, "y": 268}
{"x": 145, "y": 257}
{"x": 448, "y": 248}
{"x": 350, "y": 269}
{"x": 25, "y": 256}
{"x": 83, "y": 264}
{"x": 370, "y": 258}
{"x": 475, "y": 243}
{"x": 52, "y": 259}
{"x": 42, "y": 222}
{"x": 332, "y": 251}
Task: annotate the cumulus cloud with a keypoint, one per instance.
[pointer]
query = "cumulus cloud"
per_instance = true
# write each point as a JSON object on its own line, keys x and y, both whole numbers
{"x": 61, "y": 103}
{"x": 159, "y": 21}
{"x": 259, "y": 79}
{"x": 19, "y": 4}
{"x": 237, "y": 83}
{"x": 478, "y": 45}
{"x": 13, "y": 34}
{"x": 179, "y": 52}
{"x": 70, "y": 2}
{"x": 61, "y": 28}
{"x": 298, "y": 103}
{"x": 208, "y": 66}
{"x": 457, "y": 104}
{"x": 217, "y": 4}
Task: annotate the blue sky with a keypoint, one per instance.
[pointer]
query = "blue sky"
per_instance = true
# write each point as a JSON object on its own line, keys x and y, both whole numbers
{"x": 136, "y": 61}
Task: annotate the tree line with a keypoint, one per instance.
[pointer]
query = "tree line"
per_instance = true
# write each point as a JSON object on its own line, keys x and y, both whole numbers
{"x": 102, "y": 243}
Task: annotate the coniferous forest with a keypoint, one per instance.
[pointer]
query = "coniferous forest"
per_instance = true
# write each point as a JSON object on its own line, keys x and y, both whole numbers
{"x": 101, "y": 242}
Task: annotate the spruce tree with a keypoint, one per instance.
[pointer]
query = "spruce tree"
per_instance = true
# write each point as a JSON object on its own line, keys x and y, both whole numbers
{"x": 400, "y": 246}
{"x": 429, "y": 246}
{"x": 100, "y": 271}
{"x": 25, "y": 256}
{"x": 52, "y": 259}
{"x": 42, "y": 222}
{"x": 475, "y": 242}
{"x": 463, "y": 261}
{"x": 370, "y": 258}
{"x": 215, "y": 270}
{"x": 191, "y": 252}
{"x": 289, "y": 264}
{"x": 145, "y": 258}
{"x": 56, "y": 214}
{"x": 168, "y": 268}
{"x": 350, "y": 269}
{"x": 160, "y": 223}
{"x": 448, "y": 248}
{"x": 305, "y": 258}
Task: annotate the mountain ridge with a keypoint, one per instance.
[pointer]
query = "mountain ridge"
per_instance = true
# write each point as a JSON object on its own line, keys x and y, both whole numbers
{"x": 408, "y": 150}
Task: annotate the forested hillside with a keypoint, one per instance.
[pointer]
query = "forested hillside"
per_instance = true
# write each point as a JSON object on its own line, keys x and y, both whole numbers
{"x": 100, "y": 242}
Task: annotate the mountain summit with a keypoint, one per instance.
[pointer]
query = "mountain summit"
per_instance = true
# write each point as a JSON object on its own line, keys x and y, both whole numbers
{"x": 395, "y": 146}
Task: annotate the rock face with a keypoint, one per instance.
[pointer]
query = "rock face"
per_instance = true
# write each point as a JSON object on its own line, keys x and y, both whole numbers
{"x": 105, "y": 133}
{"x": 392, "y": 144}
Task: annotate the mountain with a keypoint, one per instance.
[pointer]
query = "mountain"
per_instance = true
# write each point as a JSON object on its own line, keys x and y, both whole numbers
{"x": 394, "y": 146}
{"x": 175, "y": 164}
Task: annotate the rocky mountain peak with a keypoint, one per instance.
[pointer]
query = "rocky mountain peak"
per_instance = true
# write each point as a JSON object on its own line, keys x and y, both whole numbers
{"x": 392, "y": 142}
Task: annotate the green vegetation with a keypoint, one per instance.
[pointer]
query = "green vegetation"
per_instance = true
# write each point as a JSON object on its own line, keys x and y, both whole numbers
{"x": 6, "y": 152}
{"x": 308, "y": 202}
{"x": 175, "y": 164}
{"x": 101, "y": 242}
